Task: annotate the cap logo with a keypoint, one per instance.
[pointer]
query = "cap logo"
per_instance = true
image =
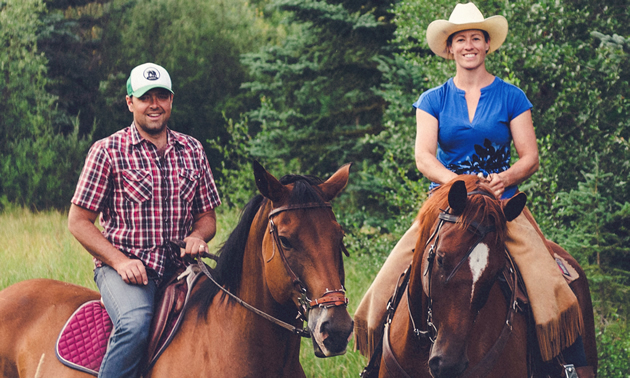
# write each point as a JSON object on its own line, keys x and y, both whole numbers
{"x": 151, "y": 74}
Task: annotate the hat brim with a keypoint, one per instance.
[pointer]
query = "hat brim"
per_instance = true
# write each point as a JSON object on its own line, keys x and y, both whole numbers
{"x": 140, "y": 91}
{"x": 439, "y": 31}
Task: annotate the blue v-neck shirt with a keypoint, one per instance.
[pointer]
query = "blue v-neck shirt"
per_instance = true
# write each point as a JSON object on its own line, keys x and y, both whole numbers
{"x": 480, "y": 146}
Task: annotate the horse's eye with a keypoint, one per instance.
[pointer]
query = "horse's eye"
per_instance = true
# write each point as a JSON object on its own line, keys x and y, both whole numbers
{"x": 440, "y": 260}
{"x": 285, "y": 242}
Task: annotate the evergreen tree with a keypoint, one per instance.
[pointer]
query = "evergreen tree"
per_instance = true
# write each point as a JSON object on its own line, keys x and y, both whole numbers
{"x": 317, "y": 88}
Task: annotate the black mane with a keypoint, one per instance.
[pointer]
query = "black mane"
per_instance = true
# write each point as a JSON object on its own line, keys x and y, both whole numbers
{"x": 229, "y": 268}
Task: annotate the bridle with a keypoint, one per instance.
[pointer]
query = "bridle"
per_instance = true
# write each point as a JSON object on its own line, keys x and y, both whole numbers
{"x": 430, "y": 334}
{"x": 331, "y": 298}
{"x": 478, "y": 229}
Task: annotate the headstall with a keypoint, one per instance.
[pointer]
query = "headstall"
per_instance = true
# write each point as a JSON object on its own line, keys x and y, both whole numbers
{"x": 331, "y": 298}
{"x": 487, "y": 362}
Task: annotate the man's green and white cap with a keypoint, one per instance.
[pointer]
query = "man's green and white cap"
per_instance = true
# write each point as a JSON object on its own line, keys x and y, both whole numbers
{"x": 147, "y": 76}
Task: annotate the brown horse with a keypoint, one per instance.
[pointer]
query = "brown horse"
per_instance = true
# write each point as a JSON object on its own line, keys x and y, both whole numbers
{"x": 456, "y": 318}
{"x": 284, "y": 258}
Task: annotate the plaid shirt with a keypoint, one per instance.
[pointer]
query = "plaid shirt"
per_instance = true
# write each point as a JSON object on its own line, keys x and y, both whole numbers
{"x": 144, "y": 200}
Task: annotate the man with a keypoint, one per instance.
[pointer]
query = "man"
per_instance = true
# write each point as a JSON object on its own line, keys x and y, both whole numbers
{"x": 150, "y": 185}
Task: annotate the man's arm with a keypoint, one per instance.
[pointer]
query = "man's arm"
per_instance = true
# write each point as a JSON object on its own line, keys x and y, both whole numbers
{"x": 203, "y": 230}
{"x": 81, "y": 226}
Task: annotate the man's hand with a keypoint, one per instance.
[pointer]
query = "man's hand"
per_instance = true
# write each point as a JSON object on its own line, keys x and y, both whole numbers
{"x": 132, "y": 271}
{"x": 195, "y": 247}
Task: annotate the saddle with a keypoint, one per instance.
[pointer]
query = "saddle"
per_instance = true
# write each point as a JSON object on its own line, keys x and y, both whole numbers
{"x": 83, "y": 340}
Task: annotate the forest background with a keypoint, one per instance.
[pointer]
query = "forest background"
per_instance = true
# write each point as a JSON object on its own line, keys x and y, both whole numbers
{"x": 304, "y": 86}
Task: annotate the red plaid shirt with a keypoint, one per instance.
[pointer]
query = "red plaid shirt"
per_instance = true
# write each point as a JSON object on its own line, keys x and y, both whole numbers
{"x": 144, "y": 200}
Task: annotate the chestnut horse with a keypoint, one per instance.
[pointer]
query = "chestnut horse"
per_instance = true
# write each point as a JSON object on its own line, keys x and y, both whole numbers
{"x": 453, "y": 317}
{"x": 284, "y": 259}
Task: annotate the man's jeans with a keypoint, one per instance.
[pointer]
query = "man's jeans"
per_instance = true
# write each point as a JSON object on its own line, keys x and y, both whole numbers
{"x": 131, "y": 309}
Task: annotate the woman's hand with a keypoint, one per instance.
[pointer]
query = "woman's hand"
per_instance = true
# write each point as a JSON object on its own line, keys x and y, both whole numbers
{"x": 496, "y": 184}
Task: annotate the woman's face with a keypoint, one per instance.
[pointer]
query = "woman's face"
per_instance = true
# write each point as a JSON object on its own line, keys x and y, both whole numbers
{"x": 469, "y": 48}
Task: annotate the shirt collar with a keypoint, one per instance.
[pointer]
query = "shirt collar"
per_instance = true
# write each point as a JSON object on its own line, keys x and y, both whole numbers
{"x": 173, "y": 138}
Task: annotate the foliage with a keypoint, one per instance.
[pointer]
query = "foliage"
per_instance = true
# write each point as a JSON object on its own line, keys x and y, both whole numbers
{"x": 234, "y": 166}
{"x": 595, "y": 229}
{"x": 36, "y": 168}
{"x": 37, "y": 159}
{"x": 199, "y": 43}
{"x": 614, "y": 351}
{"x": 23, "y": 70}
{"x": 315, "y": 88}
{"x": 70, "y": 37}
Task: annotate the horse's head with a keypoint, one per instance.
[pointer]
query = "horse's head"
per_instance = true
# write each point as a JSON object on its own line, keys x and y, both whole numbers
{"x": 302, "y": 253}
{"x": 464, "y": 254}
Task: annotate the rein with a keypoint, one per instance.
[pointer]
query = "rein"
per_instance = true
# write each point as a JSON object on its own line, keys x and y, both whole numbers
{"x": 331, "y": 298}
{"x": 302, "y": 332}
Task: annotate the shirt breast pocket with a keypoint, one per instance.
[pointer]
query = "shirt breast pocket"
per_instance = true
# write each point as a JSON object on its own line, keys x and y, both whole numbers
{"x": 137, "y": 185}
{"x": 188, "y": 181}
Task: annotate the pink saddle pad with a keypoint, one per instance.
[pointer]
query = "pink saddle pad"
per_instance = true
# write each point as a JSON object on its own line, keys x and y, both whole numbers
{"x": 83, "y": 340}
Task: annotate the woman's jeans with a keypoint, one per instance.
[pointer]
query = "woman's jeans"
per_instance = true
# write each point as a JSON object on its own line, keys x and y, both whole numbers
{"x": 130, "y": 308}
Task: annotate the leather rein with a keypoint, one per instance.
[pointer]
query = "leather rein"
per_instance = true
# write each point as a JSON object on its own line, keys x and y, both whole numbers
{"x": 486, "y": 364}
{"x": 331, "y": 298}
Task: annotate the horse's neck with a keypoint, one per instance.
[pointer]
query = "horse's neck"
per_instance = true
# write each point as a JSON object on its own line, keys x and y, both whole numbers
{"x": 253, "y": 286}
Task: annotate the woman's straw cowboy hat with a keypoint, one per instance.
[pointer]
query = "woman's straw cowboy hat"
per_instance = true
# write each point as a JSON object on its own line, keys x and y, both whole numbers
{"x": 465, "y": 17}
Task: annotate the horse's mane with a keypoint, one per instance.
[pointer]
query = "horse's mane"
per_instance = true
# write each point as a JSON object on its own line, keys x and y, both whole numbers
{"x": 481, "y": 208}
{"x": 229, "y": 268}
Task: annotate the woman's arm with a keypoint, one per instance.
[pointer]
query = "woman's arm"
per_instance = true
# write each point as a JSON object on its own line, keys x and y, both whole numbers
{"x": 524, "y": 138}
{"x": 426, "y": 148}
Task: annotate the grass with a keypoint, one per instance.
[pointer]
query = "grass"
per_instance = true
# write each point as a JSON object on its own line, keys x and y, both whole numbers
{"x": 38, "y": 245}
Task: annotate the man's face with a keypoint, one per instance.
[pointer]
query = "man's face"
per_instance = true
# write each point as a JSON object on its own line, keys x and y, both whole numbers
{"x": 152, "y": 110}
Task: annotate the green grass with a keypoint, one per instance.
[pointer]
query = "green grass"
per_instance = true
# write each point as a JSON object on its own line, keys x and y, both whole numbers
{"x": 39, "y": 245}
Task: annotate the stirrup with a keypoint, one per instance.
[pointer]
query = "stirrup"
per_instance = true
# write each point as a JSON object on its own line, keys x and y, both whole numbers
{"x": 569, "y": 371}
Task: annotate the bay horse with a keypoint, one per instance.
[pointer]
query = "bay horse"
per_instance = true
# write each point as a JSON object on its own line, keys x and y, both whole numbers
{"x": 284, "y": 259}
{"x": 454, "y": 317}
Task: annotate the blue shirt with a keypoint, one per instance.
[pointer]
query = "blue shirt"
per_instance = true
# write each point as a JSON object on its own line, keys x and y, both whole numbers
{"x": 480, "y": 146}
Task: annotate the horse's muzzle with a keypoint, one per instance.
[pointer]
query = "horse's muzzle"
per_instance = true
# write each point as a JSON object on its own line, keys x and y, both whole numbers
{"x": 331, "y": 328}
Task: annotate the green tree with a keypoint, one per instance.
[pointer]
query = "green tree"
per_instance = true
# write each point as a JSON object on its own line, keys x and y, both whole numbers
{"x": 316, "y": 89}
{"x": 37, "y": 159}
{"x": 70, "y": 36}
{"x": 199, "y": 43}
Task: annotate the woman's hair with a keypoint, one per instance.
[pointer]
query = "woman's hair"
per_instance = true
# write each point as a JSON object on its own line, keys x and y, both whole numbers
{"x": 449, "y": 40}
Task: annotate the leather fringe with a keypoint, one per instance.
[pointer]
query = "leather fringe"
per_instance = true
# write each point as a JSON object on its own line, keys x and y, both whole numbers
{"x": 365, "y": 340}
{"x": 556, "y": 336}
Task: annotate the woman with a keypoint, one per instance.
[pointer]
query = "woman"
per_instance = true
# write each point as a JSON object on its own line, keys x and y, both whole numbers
{"x": 466, "y": 126}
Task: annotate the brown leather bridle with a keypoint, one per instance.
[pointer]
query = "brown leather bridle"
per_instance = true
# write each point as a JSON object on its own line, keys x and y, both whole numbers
{"x": 391, "y": 364}
{"x": 331, "y": 298}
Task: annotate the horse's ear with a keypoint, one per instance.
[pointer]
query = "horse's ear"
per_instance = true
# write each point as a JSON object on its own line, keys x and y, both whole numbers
{"x": 336, "y": 183}
{"x": 268, "y": 185}
{"x": 514, "y": 206}
{"x": 457, "y": 197}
